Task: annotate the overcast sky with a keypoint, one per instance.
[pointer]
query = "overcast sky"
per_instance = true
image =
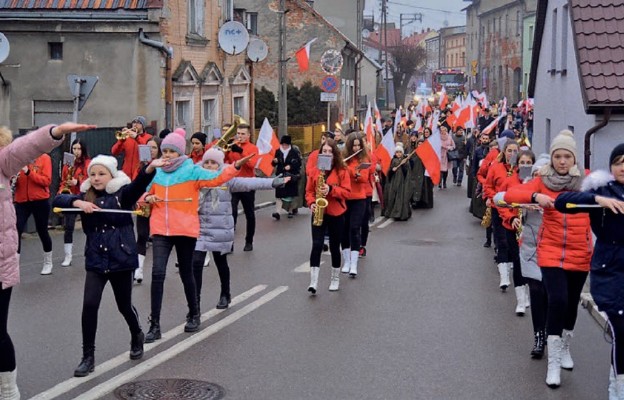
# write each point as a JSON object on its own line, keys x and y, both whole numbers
{"x": 436, "y": 14}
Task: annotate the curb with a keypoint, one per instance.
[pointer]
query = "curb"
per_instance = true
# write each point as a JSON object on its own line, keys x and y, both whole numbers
{"x": 600, "y": 317}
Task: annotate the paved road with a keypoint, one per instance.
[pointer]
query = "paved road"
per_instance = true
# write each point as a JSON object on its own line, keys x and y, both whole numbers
{"x": 423, "y": 320}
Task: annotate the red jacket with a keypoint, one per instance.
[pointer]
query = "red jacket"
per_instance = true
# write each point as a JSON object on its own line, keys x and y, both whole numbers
{"x": 248, "y": 169}
{"x": 485, "y": 165}
{"x": 35, "y": 185}
{"x": 499, "y": 180}
{"x": 312, "y": 161}
{"x": 130, "y": 148}
{"x": 340, "y": 185}
{"x": 197, "y": 157}
{"x": 564, "y": 240}
{"x": 359, "y": 179}
{"x": 371, "y": 175}
{"x": 80, "y": 174}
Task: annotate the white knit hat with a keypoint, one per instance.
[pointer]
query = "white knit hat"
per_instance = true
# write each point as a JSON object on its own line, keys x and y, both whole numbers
{"x": 108, "y": 162}
{"x": 215, "y": 155}
{"x": 119, "y": 180}
{"x": 399, "y": 147}
{"x": 564, "y": 141}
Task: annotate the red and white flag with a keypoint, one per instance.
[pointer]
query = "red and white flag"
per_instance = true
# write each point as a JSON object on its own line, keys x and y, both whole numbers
{"x": 377, "y": 117}
{"x": 443, "y": 99}
{"x": 430, "y": 151}
{"x": 385, "y": 151}
{"x": 303, "y": 56}
{"x": 267, "y": 146}
{"x": 368, "y": 128}
{"x": 488, "y": 129}
{"x": 397, "y": 122}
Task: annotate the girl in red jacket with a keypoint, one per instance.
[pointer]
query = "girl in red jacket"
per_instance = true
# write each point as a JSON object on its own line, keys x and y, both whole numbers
{"x": 32, "y": 194}
{"x": 564, "y": 249}
{"x": 359, "y": 171}
{"x": 72, "y": 183}
{"x": 335, "y": 190}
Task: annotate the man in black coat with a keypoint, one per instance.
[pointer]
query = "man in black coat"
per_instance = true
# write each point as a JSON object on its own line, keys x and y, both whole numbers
{"x": 485, "y": 120}
{"x": 287, "y": 162}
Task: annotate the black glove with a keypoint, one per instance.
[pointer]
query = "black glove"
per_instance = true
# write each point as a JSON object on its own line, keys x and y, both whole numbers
{"x": 236, "y": 148}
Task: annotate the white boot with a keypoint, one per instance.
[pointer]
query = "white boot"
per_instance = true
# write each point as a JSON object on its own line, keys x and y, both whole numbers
{"x": 346, "y": 261}
{"x": 527, "y": 296}
{"x": 8, "y": 385}
{"x": 566, "y": 358}
{"x": 503, "y": 270}
{"x": 520, "y": 300}
{"x": 553, "y": 376}
{"x": 334, "y": 284}
{"x": 613, "y": 389}
{"x": 68, "y": 255}
{"x": 138, "y": 273}
{"x": 355, "y": 255}
{"x": 47, "y": 263}
{"x": 314, "y": 274}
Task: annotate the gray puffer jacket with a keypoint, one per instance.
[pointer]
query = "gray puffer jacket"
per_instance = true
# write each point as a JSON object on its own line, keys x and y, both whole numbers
{"x": 216, "y": 224}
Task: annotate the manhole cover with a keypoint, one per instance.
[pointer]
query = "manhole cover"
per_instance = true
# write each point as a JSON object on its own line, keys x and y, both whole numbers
{"x": 170, "y": 389}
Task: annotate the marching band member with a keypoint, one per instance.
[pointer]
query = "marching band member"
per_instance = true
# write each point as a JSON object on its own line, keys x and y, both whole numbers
{"x": 334, "y": 186}
{"x": 129, "y": 145}
{"x": 198, "y": 146}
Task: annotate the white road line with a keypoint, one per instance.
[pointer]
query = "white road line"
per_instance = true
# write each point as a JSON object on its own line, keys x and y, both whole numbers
{"x": 305, "y": 267}
{"x": 115, "y": 362}
{"x": 175, "y": 350}
{"x": 385, "y": 223}
{"x": 376, "y": 221}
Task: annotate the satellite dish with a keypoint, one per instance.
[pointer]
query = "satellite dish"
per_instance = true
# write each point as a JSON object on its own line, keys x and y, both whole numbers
{"x": 331, "y": 61}
{"x": 257, "y": 50}
{"x": 4, "y": 48}
{"x": 365, "y": 33}
{"x": 233, "y": 37}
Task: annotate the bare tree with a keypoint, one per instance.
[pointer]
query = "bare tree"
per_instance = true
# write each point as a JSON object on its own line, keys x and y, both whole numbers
{"x": 408, "y": 59}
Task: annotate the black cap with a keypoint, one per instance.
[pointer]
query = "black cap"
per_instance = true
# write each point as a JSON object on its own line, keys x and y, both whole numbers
{"x": 617, "y": 152}
{"x": 286, "y": 139}
{"x": 201, "y": 136}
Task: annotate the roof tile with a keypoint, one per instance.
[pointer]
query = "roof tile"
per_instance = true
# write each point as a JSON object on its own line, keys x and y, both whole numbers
{"x": 80, "y": 4}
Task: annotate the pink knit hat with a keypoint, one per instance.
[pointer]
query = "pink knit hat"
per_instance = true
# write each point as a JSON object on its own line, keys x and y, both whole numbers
{"x": 175, "y": 141}
{"x": 215, "y": 155}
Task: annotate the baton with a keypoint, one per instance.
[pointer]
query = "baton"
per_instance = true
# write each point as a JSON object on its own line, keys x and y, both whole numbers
{"x": 59, "y": 210}
{"x": 574, "y": 205}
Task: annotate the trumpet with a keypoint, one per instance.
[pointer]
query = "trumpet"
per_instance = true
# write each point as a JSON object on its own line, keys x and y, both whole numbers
{"x": 124, "y": 133}
{"x": 67, "y": 184}
{"x": 223, "y": 142}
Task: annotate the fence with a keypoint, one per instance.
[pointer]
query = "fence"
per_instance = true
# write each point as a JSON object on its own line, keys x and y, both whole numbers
{"x": 306, "y": 137}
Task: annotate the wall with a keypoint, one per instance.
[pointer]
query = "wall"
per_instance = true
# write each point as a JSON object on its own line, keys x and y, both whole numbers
{"x": 528, "y": 33}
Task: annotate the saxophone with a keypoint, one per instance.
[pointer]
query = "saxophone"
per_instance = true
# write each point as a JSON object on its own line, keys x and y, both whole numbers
{"x": 321, "y": 202}
{"x": 67, "y": 184}
{"x": 487, "y": 218}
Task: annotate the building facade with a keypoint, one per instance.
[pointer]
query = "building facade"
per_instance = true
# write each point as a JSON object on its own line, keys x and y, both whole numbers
{"x": 453, "y": 48}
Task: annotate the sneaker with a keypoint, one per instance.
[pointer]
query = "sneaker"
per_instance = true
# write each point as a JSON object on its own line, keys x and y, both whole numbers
{"x": 192, "y": 323}
{"x": 248, "y": 247}
{"x": 276, "y": 216}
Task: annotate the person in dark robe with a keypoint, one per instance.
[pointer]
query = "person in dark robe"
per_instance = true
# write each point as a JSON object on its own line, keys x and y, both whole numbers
{"x": 399, "y": 187}
{"x": 287, "y": 162}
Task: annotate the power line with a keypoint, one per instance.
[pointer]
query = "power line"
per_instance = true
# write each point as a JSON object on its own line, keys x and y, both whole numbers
{"x": 424, "y": 8}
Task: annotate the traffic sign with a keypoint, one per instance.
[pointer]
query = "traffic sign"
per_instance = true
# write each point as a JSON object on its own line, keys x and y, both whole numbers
{"x": 326, "y": 97}
{"x": 84, "y": 86}
{"x": 330, "y": 84}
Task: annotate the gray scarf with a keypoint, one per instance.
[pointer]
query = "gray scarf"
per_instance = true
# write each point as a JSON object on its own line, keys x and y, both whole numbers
{"x": 557, "y": 183}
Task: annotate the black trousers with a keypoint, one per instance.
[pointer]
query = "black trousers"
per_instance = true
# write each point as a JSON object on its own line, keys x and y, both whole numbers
{"x": 616, "y": 322}
{"x": 500, "y": 238}
{"x": 514, "y": 257}
{"x": 121, "y": 282}
{"x": 223, "y": 268}
{"x": 69, "y": 222}
{"x": 352, "y": 232}
{"x": 143, "y": 231}
{"x": 368, "y": 211}
{"x": 564, "y": 292}
{"x": 539, "y": 304}
{"x": 40, "y": 210}
{"x": 7, "y": 351}
{"x": 334, "y": 226}
{"x": 248, "y": 199}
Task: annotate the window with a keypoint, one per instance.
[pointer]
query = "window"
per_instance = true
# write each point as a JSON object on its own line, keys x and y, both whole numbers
{"x": 239, "y": 105}
{"x": 531, "y": 36}
{"x": 506, "y": 24}
{"x": 209, "y": 117}
{"x": 56, "y": 50}
{"x": 252, "y": 23}
{"x": 227, "y": 7}
{"x": 553, "y": 43}
{"x": 571, "y": 128}
{"x": 196, "y": 17}
{"x": 463, "y": 58}
{"x": 518, "y": 23}
{"x": 183, "y": 114}
{"x": 564, "y": 40}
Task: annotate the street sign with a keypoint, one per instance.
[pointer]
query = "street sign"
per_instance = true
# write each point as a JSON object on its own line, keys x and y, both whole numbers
{"x": 330, "y": 84}
{"x": 85, "y": 87}
{"x": 325, "y": 97}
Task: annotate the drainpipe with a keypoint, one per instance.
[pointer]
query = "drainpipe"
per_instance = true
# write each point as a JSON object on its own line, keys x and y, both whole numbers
{"x": 590, "y": 132}
{"x": 357, "y": 88}
{"x": 168, "y": 53}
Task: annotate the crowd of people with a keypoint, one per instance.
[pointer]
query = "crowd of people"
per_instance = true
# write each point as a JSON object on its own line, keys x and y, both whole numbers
{"x": 188, "y": 200}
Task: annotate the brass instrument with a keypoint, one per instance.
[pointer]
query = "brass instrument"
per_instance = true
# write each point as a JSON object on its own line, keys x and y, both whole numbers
{"x": 144, "y": 209}
{"x": 123, "y": 134}
{"x": 487, "y": 218}
{"x": 14, "y": 183}
{"x": 67, "y": 184}
{"x": 321, "y": 202}
{"x": 224, "y": 141}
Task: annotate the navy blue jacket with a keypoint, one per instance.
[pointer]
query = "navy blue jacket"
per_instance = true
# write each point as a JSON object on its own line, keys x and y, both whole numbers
{"x": 607, "y": 265}
{"x": 111, "y": 244}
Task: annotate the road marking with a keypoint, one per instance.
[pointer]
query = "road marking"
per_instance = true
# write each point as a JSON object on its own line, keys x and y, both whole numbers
{"x": 175, "y": 350}
{"x": 305, "y": 267}
{"x": 115, "y": 362}
{"x": 376, "y": 221}
{"x": 385, "y": 223}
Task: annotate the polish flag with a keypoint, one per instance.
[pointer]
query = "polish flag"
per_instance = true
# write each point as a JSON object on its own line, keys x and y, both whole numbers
{"x": 368, "y": 128}
{"x": 488, "y": 129}
{"x": 417, "y": 124}
{"x": 397, "y": 122}
{"x": 303, "y": 56}
{"x": 267, "y": 144}
{"x": 430, "y": 150}
{"x": 443, "y": 99}
{"x": 385, "y": 151}
{"x": 377, "y": 117}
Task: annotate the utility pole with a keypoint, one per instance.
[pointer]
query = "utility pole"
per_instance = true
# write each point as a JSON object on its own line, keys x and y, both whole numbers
{"x": 385, "y": 45}
{"x": 282, "y": 98}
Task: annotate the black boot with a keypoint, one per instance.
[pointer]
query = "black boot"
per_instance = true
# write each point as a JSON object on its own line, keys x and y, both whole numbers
{"x": 224, "y": 302}
{"x": 538, "y": 345}
{"x": 154, "y": 331}
{"x": 192, "y": 323}
{"x": 136, "y": 345}
{"x": 87, "y": 364}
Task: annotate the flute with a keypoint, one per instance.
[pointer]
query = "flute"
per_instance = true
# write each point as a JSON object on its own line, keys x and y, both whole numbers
{"x": 352, "y": 155}
{"x": 59, "y": 210}
{"x": 516, "y": 205}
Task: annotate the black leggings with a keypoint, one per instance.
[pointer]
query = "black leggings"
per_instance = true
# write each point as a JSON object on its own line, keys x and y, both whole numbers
{"x": 500, "y": 238}
{"x": 444, "y": 178}
{"x": 247, "y": 198}
{"x": 334, "y": 226}
{"x": 121, "y": 282}
{"x": 514, "y": 256}
{"x": 616, "y": 322}
{"x": 69, "y": 222}
{"x": 352, "y": 231}
{"x": 40, "y": 210}
{"x": 223, "y": 268}
{"x": 7, "y": 361}
{"x": 368, "y": 211}
{"x": 564, "y": 292}
{"x": 142, "y": 226}
{"x": 539, "y": 304}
